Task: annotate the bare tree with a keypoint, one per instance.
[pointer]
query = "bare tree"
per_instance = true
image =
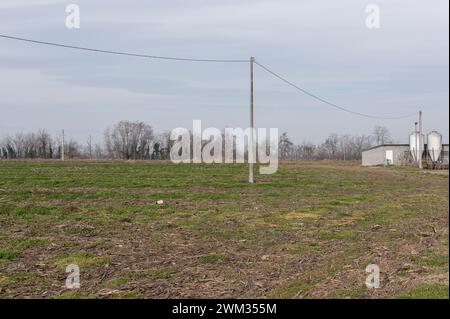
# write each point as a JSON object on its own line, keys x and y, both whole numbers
{"x": 43, "y": 144}
{"x": 285, "y": 146}
{"x": 381, "y": 135}
{"x": 136, "y": 140}
{"x": 89, "y": 147}
{"x": 359, "y": 144}
{"x": 308, "y": 150}
{"x": 129, "y": 140}
{"x": 72, "y": 149}
{"x": 330, "y": 147}
{"x": 18, "y": 142}
{"x": 98, "y": 151}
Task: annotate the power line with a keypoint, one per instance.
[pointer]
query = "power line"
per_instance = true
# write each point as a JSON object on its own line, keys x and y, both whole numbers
{"x": 327, "y": 102}
{"x": 119, "y": 52}
{"x": 202, "y": 60}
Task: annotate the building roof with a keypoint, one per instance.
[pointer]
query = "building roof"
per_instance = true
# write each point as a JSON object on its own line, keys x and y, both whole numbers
{"x": 395, "y": 145}
{"x": 383, "y": 145}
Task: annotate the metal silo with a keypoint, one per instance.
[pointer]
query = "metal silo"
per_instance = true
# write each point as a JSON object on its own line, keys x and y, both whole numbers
{"x": 416, "y": 145}
{"x": 434, "y": 145}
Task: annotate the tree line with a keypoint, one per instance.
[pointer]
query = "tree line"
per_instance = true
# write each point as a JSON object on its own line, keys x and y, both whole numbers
{"x": 138, "y": 141}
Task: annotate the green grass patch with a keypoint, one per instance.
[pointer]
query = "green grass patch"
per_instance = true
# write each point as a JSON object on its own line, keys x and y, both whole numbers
{"x": 127, "y": 295}
{"x": 6, "y": 254}
{"x": 426, "y": 291}
{"x": 154, "y": 273}
{"x": 290, "y": 291}
{"x": 74, "y": 294}
{"x": 319, "y": 212}
{"x": 211, "y": 258}
{"x": 432, "y": 259}
{"x": 82, "y": 258}
{"x": 352, "y": 293}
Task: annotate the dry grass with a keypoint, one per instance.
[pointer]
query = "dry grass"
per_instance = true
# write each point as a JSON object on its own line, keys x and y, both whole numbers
{"x": 308, "y": 231}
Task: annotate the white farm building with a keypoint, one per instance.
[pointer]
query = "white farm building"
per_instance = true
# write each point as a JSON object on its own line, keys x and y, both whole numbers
{"x": 434, "y": 152}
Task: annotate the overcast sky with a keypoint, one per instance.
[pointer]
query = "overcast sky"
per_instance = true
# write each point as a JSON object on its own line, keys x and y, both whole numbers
{"x": 323, "y": 46}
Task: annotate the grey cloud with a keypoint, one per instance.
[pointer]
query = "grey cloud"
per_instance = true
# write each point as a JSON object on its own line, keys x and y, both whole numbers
{"x": 322, "y": 45}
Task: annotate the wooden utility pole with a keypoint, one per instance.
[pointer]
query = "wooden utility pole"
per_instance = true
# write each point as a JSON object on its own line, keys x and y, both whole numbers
{"x": 416, "y": 143}
{"x": 90, "y": 147}
{"x": 62, "y": 146}
{"x": 420, "y": 140}
{"x": 250, "y": 136}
